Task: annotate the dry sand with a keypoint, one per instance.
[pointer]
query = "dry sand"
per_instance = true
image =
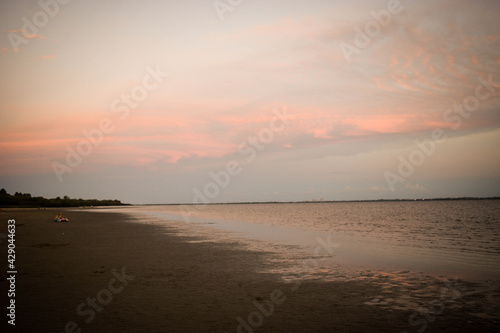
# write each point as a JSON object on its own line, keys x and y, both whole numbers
{"x": 171, "y": 285}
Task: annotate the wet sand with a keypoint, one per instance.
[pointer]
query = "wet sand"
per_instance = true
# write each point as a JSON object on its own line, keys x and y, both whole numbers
{"x": 105, "y": 272}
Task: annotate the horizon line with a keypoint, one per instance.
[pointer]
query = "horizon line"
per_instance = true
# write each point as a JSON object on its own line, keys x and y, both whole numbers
{"x": 319, "y": 201}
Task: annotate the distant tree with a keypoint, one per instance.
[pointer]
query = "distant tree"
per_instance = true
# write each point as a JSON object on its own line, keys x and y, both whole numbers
{"x": 20, "y": 199}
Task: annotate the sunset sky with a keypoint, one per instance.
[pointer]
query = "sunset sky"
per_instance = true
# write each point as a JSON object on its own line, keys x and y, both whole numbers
{"x": 360, "y": 82}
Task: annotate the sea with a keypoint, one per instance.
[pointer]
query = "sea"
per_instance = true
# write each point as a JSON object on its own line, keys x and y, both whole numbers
{"x": 453, "y": 238}
{"x": 412, "y": 252}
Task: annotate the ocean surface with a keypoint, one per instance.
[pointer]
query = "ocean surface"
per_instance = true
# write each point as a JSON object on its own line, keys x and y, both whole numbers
{"x": 459, "y": 239}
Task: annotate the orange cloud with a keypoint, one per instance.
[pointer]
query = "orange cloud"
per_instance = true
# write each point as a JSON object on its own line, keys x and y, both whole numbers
{"x": 27, "y": 35}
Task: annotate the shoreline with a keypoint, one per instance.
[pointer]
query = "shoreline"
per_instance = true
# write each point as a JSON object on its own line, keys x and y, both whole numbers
{"x": 188, "y": 284}
{"x": 361, "y": 252}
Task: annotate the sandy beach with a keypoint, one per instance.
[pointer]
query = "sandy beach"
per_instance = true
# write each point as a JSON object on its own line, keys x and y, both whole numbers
{"x": 106, "y": 272}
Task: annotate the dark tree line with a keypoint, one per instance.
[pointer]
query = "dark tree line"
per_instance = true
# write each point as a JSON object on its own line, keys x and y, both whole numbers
{"x": 26, "y": 200}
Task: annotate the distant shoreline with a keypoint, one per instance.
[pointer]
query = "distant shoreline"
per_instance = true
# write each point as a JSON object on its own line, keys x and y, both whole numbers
{"x": 319, "y": 201}
{"x": 89, "y": 203}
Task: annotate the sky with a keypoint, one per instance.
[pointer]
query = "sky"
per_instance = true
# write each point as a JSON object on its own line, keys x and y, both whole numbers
{"x": 240, "y": 101}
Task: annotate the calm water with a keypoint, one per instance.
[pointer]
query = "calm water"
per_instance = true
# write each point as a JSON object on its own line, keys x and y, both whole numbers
{"x": 459, "y": 238}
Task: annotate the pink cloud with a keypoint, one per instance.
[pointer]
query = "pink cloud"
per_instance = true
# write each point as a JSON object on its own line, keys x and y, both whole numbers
{"x": 401, "y": 83}
{"x": 27, "y": 35}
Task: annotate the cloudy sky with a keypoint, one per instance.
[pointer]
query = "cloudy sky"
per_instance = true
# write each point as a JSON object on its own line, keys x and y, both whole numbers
{"x": 223, "y": 101}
